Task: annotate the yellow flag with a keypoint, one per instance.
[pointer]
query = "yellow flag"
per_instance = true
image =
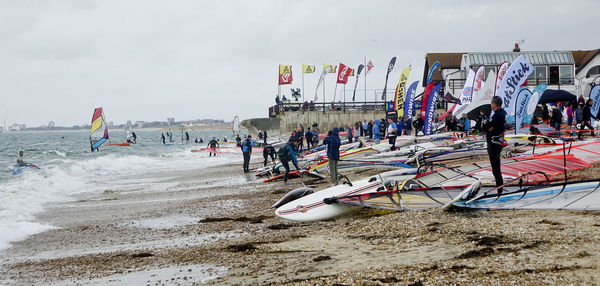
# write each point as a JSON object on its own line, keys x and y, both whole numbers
{"x": 351, "y": 72}
{"x": 329, "y": 68}
{"x": 308, "y": 69}
{"x": 400, "y": 92}
{"x": 285, "y": 69}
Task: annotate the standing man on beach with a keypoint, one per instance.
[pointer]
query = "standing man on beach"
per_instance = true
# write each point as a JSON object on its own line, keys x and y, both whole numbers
{"x": 391, "y": 133}
{"x": 586, "y": 118}
{"x": 495, "y": 139}
{"x": 333, "y": 153}
{"x": 247, "y": 151}
{"x": 212, "y": 145}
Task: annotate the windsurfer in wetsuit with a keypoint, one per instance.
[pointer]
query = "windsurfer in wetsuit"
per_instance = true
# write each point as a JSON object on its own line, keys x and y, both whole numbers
{"x": 247, "y": 151}
{"x": 162, "y": 138}
{"x": 238, "y": 141}
{"x": 268, "y": 150}
{"x": 287, "y": 154}
{"x": 134, "y": 137}
{"x": 20, "y": 161}
{"x": 212, "y": 144}
{"x": 495, "y": 138}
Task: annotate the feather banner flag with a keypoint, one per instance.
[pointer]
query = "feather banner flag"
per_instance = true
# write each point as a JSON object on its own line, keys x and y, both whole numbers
{"x": 321, "y": 79}
{"x": 430, "y": 110}
{"x": 360, "y": 68}
{"x": 400, "y": 95}
{"x": 500, "y": 75}
{"x": 595, "y": 96}
{"x": 426, "y": 93}
{"x": 410, "y": 97}
{"x": 434, "y": 66}
{"x": 285, "y": 74}
{"x": 308, "y": 69}
{"x": 515, "y": 76}
{"x": 532, "y": 104}
{"x": 343, "y": 74}
{"x": 465, "y": 96}
{"x": 389, "y": 70}
{"x": 523, "y": 98}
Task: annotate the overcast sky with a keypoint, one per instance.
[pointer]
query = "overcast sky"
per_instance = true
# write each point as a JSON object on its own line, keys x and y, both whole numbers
{"x": 149, "y": 60}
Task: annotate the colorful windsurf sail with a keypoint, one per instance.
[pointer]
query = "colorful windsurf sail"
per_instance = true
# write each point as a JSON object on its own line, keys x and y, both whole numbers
{"x": 99, "y": 132}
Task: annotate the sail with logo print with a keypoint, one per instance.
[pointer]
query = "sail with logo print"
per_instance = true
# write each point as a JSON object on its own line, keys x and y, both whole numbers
{"x": 99, "y": 131}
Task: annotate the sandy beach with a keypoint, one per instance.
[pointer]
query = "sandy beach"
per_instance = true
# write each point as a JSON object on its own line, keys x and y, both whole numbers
{"x": 222, "y": 231}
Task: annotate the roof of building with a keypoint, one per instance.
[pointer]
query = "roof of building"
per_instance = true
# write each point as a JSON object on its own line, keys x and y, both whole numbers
{"x": 533, "y": 57}
{"x": 453, "y": 60}
{"x": 582, "y": 58}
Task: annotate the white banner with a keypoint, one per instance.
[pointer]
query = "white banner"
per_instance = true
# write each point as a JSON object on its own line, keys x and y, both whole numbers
{"x": 500, "y": 75}
{"x": 515, "y": 76}
{"x": 466, "y": 94}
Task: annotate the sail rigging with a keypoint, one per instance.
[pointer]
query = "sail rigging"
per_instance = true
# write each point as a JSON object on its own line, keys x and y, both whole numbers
{"x": 129, "y": 131}
{"x": 236, "y": 125}
{"x": 99, "y": 131}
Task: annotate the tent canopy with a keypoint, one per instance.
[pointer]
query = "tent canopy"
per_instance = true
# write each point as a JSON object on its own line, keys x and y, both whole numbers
{"x": 552, "y": 95}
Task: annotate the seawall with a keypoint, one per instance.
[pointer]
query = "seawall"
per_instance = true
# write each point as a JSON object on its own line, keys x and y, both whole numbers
{"x": 285, "y": 122}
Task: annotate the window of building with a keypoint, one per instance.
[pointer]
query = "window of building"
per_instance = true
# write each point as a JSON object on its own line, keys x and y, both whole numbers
{"x": 566, "y": 74}
{"x": 553, "y": 78}
{"x": 541, "y": 75}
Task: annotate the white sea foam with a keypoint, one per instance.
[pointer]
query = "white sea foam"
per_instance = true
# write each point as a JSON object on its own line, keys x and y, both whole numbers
{"x": 62, "y": 179}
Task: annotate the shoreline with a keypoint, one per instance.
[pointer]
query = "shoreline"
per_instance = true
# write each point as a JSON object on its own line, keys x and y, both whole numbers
{"x": 223, "y": 229}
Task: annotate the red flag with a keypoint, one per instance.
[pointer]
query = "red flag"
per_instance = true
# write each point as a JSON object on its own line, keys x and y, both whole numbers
{"x": 369, "y": 66}
{"x": 425, "y": 97}
{"x": 285, "y": 74}
{"x": 343, "y": 74}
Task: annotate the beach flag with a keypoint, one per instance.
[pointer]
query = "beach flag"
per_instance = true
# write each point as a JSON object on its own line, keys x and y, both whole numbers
{"x": 389, "y": 70}
{"x": 434, "y": 66}
{"x": 329, "y": 68}
{"x": 500, "y": 75}
{"x": 595, "y": 96}
{"x": 285, "y": 74}
{"x": 360, "y": 68}
{"x": 369, "y": 66}
{"x": 430, "y": 109}
{"x": 426, "y": 93}
{"x": 343, "y": 74}
{"x": 308, "y": 69}
{"x": 515, "y": 76}
{"x": 321, "y": 79}
{"x": 410, "y": 97}
{"x": 523, "y": 98}
{"x": 399, "y": 102}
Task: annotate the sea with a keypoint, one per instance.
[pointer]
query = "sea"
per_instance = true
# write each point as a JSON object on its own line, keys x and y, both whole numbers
{"x": 69, "y": 172}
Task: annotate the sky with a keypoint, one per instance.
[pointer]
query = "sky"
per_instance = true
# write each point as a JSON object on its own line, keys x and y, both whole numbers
{"x": 149, "y": 60}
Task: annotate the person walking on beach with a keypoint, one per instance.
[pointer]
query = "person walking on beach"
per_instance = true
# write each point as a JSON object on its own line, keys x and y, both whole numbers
{"x": 586, "y": 118}
{"x": 286, "y": 154}
{"x": 391, "y": 133}
{"x": 333, "y": 153}
{"x": 212, "y": 145}
{"x": 495, "y": 139}
{"x": 309, "y": 139}
{"x": 247, "y": 151}
{"x": 376, "y": 132}
{"x": 268, "y": 150}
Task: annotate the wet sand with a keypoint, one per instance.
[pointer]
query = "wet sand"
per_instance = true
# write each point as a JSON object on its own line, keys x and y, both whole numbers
{"x": 218, "y": 228}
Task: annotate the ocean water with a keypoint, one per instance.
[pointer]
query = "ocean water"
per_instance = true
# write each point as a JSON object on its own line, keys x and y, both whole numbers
{"x": 68, "y": 171}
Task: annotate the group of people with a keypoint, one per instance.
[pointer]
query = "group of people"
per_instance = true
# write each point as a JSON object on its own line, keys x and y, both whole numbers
{"x": 579, "y": 113}
{"x": 163, "y": 138}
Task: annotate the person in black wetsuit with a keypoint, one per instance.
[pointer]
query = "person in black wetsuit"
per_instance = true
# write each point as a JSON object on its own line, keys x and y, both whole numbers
{"x": 495, "y": 138}
{"x": 212, "y": 144}
{"x": 238, "y": 141}
{"x": 586, "y": 118}
{"x": 287, "y": 153}
{"x": 247, "y": 151}
{"x": 162, "y": 138}
{"x": 134, "y": 137}
{"x": 268, "y": 150}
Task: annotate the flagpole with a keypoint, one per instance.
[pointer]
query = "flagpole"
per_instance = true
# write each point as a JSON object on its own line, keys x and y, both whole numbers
{"x": 303, "y": 85}
{"x": 334, "y": 93}
{"x": 366, "y": 71}
{"x": 344, "y": 98}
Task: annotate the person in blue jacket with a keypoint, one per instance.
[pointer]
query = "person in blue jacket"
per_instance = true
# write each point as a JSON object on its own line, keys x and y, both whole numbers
{"x": 288, "y": 154}
{"x": 333, "y": 153}
{"x": 377, "y": 132}
{"x": 247, "y": 151}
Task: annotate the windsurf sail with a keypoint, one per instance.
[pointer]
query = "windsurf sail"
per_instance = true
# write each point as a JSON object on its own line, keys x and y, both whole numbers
{"x": 236, "y": 125}
{"x": 129, "y": 131}
{"x": 99, "y": 131}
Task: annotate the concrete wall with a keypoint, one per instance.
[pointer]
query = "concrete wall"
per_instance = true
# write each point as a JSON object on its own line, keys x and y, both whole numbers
{"x": 285, "y": 122}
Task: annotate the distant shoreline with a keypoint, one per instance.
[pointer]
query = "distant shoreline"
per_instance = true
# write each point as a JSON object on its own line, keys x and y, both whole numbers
{"x": 175, "y": 128}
